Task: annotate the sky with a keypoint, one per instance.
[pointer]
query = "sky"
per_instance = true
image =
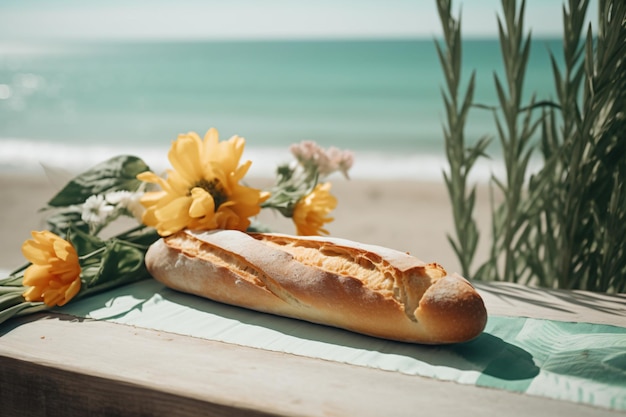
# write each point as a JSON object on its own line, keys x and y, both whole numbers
{"x": 258, "y": 19}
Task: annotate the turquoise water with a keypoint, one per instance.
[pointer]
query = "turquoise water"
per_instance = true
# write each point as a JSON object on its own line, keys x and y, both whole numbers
{"x": 375, "y": 97}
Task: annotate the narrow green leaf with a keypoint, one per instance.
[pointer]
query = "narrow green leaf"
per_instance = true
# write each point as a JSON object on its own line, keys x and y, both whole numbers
{"x": 13, "y": 280}
{"x": 502, "y": 97}
{"x": 558, "y": 79}
{"x": 457, "y": 250}
{"x": 83, "y": 242}
{"x": 469, "y": 97}
{"x": 61, "y": 221}
{"x": 120, "y": 264}
{"x": 10, "y": 299}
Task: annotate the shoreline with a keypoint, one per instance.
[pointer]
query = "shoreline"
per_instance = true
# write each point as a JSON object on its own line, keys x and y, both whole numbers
{"x": 406, "y": 215}
{"x": 421, "y": 162}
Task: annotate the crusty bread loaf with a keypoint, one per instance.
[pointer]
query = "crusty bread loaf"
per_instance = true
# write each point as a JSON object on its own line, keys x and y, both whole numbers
{"x": 363, "y": 288}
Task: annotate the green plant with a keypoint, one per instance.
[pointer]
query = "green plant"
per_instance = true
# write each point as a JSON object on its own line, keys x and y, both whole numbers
{"x": 563, "y": 226}
{"x": 462, "y": 157}
{"x": 511, "y": 215}
{"x": 580, "y": 191}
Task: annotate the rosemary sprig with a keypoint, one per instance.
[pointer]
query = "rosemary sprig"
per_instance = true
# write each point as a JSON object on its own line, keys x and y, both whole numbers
{"x": 510, "y": 217}
{"x": 585, "y": 165}
{"x": 564, "y": 226}
{"x": 461, "y": 157}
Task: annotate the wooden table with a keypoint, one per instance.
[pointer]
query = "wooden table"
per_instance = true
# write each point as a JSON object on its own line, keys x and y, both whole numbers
{"x": 53, "y": 364}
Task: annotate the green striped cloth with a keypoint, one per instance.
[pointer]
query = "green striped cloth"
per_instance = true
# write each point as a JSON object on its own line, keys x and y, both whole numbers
{"x": 579, "y": 362}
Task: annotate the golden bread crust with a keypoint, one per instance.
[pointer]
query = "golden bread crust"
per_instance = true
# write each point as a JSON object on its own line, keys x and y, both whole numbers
{"x": 363, "y": 288}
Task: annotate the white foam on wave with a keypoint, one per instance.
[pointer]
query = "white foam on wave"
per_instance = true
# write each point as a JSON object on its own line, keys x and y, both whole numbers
{"x": 17, "y": 155}
{"x": 26, "y": 156}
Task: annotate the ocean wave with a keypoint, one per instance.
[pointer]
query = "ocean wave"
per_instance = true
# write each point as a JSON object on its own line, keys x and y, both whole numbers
{"x": 29, "y": 156}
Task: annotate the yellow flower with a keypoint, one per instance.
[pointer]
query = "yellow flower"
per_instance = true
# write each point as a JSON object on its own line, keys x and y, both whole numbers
{"x": 311, "y": 212}
{"x": 54, "y": 276}
{"x": 203, "y": 190}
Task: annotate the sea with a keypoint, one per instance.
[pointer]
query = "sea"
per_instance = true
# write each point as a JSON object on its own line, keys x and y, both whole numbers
{"x": 72, "y": 105}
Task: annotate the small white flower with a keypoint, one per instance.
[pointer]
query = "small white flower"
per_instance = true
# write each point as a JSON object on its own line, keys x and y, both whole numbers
{"x": 96, "y": 210}
{"x": 134, "y": 206}
{"x": 128, "y": 201}
{"x": 118, "y": 198}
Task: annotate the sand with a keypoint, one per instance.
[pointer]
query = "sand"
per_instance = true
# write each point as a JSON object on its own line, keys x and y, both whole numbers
{"x": 410, "y": 216}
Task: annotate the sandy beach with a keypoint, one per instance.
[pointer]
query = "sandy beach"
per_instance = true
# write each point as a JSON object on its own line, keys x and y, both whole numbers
{"x": 405, "y": 215}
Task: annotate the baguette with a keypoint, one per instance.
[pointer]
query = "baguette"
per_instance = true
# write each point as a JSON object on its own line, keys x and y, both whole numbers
{"x": 362, "y": 288}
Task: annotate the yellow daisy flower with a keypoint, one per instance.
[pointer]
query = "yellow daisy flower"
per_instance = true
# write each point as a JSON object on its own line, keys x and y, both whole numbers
{"x": 311, "y": 212}
{"x": 54, "y": 276}
{"x": 203, "y": 190}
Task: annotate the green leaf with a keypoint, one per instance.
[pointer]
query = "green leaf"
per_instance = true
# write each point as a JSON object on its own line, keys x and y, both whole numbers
{"x": 61, "y": 221}
{"x": 118, "y": 173}
{"x": 478, "y": 150}
{"x": 469, "y": 97}
{"x": 83, "y": 242}
{"x": 140, "y": 236}
{"x": 458, "y": 252}
{"x": 558, "y": 79}
{"x": 501, "y": 94}
{"x": 22, "y": 309}
{"x": 13, "y": 280}
{"x": 12, "y": 298}
{"x": 121, "y": 263}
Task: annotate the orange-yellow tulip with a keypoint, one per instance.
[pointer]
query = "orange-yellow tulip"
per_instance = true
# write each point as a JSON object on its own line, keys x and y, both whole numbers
{"x": 54, "y": 273}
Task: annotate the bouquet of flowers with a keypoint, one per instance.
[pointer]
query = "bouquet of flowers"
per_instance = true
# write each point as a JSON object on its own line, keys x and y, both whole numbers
{"x": 203, "y": 190}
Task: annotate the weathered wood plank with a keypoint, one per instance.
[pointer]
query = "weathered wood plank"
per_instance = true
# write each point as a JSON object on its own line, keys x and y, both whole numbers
{"x": 32, "y": 390}
{"x": 57, "y": 365}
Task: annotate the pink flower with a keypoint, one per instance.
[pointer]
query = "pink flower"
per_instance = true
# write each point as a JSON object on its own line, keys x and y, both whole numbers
{"x": 325, "y": 162}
